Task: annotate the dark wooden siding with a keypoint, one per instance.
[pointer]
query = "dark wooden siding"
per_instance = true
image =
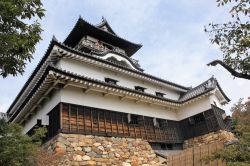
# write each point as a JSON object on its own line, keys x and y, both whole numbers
{"x": 88, "y": 120}
{"x": 203, "y": 123}
{"x": 54, "y": 122}
{"x": 218, "y": 114}
{"x": 70, "y": 118}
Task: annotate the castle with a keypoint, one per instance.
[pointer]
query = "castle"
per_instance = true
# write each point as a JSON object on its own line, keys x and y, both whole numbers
{"x": 90, "y": 85}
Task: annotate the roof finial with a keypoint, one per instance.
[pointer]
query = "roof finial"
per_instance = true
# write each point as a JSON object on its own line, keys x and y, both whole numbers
{"x": 103, "y": 19}
{"x": 54, "y": 38}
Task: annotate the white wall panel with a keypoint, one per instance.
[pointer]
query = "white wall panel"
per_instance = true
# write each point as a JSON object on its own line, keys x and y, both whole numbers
{"x": 124, "y": 80}
{"x": 42, "y": 112}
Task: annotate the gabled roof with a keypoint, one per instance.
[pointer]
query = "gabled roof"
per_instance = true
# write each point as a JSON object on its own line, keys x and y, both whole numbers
{"x": 105, "y": 23}
{"x": 205, "y": 87}
{"x": 82, "y": 28}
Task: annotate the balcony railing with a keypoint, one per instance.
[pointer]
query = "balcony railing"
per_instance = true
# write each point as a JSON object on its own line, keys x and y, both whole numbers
{"x": 99, "y": 46}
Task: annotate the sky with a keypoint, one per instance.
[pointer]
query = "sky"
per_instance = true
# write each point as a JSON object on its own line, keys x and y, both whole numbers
{"x": 175, "y": 46}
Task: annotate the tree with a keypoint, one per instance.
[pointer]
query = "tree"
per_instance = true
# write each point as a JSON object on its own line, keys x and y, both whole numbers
{"x": 233, "y": 38}
{"x": 19, "y": 33}
{"x": 238, "y": 154}
{"x": 17, "y": 149}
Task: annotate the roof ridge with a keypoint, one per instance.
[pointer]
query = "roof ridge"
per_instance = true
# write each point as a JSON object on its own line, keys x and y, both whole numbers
{"x": 208, "y": 85}
{"x": 81, "y": 19}
{"x": 103, "y": 23}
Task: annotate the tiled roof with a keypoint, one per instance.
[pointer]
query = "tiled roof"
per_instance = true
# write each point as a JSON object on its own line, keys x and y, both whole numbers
{"x": 105, "y": 23}
{"x": 205, "y": 87}
{"x": 83, "y": 27}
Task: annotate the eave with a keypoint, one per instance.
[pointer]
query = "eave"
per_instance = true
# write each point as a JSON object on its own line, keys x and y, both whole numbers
{"x": 222, "y": 92}
{"x": 54, "y": 78}
{"x": 34, "y": 73}
{"x": 105, "y": 23}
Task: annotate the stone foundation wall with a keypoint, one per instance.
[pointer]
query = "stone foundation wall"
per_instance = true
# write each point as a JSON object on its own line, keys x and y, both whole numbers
{"x": 218, "y": 136}
{"x": 77, "y": 150}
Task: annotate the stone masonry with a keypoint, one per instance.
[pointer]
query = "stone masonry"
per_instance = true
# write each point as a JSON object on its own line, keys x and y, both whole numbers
{"x": 218, "y": 136}
{"x": 104, "y": 151}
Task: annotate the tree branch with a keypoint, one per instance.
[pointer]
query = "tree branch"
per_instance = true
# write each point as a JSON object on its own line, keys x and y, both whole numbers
{"x": 228, "y": 68}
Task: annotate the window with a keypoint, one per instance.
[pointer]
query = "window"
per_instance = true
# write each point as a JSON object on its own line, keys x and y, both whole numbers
{"x": 170, "y": 146}
{"x": 111, "y": 81}
{"x": 140, "y": 89}
{"x": 158, "y": 122}
{"x": 133, "y": 119}
{"x": 196, "y": 119}
{"x": 199, "y": 118}
{"x": 159, "y": 94}
{"x": 191, "y": 120}
{"x": 163, "y": 146}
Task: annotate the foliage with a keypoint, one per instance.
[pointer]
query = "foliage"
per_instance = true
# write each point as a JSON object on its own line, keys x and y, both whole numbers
{"x": 238, "y": 154}
{"x": 19, "y": 33}
{"x": 17, "y": 149}
{"x": 233, "y": 38}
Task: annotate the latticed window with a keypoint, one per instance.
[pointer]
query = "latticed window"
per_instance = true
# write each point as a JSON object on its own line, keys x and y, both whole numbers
{"x": 159, "y": 94}
{"x": 133, "y": 119}
{"x": 139, "y": 88}
{"x": 111, "y": 81}
{"x": 196, "y": 119}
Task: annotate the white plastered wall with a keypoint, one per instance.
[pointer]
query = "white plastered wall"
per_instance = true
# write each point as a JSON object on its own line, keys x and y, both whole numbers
{"x": 97, "y": 100}
{"x": 213, "y": 99}
{"x": 124, "y": 80}
{"x": 42, "y": 112}
{"x": 194, "y": 108}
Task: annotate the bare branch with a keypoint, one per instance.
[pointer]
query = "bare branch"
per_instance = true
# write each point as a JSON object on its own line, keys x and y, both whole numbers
{"x": 228, "y": 68}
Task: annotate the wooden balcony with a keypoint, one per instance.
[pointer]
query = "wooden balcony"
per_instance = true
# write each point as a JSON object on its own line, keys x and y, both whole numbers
{"x": 99, "y": 46}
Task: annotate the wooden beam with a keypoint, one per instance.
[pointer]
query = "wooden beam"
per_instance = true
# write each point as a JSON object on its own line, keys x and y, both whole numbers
{"x": 150, "y": 103}
{"x": 84, "y": 119}
{"x": 135, "y": 131}
{"x": 74, "y": 85}
{"x": 128, "y": 125}
{"x": 69, "y": 110}
{"x": 98, "y": 119}
{"x": 105, "y": 127}
{"x": 123, "y": 98}
{"x": 145, "y": 127}
{"x": 106, "y": 94}
{"x": 61, "y": 118}
{"x": 77, "y": 124}
{"x": 137, "y": 101}
{"x": 116, "y": 123}
{"x": 123, "y": 126}
{"x": 66, "y": 85}
{"x": 91, "y": 118}
{"x": 111, "y": 123}
{"x": 87, "y": 90}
